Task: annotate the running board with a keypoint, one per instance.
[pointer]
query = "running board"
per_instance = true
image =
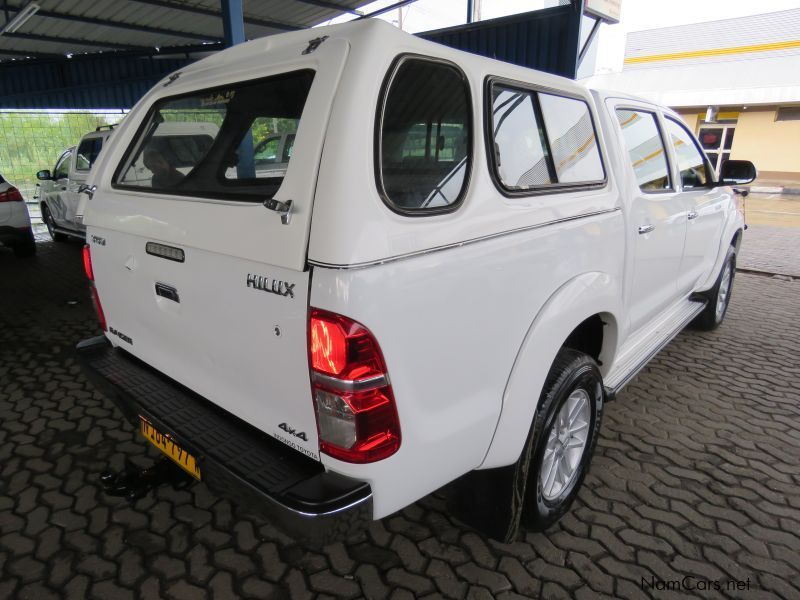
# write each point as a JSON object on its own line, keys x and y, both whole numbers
{"x": 650, "y": 343}
{"x": 70, "y": 232}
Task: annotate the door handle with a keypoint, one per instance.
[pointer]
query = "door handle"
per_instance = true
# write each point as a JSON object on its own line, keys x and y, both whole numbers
{"x": 89, "y": 190}
{"x": 646, "y": 229}
{"x": 167, "y": 291}
{"x": 691, "y": 215}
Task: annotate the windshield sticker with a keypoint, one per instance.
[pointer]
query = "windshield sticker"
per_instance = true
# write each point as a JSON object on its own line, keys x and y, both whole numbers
{"x": 219, "y": 98}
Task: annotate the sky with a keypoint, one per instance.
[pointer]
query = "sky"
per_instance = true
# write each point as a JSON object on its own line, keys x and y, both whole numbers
{"x": 425, "y": 15}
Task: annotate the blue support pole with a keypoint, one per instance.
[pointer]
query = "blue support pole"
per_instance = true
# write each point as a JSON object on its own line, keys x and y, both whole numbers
{"x": 233, "y": 29}
{"x": 470, "y": 10}
{"x": 233, "y": 22}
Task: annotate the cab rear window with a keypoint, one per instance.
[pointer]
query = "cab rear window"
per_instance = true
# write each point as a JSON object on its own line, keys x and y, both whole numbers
{"x": 205, "y": 143}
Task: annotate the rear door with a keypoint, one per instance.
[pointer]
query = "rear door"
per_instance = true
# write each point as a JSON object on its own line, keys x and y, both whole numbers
{"x": 86, "y": 154}
{"x": 656, "y": 216}
{"x": 54, "y": 190}
{"x": 196, "y": 276}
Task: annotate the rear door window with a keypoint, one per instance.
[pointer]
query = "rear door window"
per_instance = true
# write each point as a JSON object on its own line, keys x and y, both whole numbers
{"x": 424, "y": 137}
{"x": 645, "y": 149}
{"x": 207, "y": 143}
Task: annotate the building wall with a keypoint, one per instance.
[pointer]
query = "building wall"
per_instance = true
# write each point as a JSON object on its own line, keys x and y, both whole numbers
{"x": 773, "y": 146}
{"x": 691, "y": 119}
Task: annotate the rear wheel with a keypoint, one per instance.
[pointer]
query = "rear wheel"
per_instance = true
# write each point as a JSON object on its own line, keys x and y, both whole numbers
{"x": 719, "y": 297}
{"x": 47, "y": 217}
{"x": 563, "y": 437}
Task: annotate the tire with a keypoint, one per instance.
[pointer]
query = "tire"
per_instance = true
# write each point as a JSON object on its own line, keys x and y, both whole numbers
{"x": 719, "y": 296}
{"x": 51, "y": 225}
{"x": 559, "y": 464}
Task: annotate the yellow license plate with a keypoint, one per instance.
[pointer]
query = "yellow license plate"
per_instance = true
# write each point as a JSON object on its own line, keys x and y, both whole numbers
{"x": 168, "y": 446}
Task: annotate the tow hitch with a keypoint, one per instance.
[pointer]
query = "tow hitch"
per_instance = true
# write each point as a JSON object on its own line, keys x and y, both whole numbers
{"x": 134, "y": 482}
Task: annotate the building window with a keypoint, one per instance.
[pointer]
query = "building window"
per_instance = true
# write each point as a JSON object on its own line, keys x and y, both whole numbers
{"x": 788, "y": 113}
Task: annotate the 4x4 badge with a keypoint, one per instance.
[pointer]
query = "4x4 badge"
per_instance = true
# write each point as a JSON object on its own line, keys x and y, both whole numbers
{"x": 301, "y": 435}
{"x": 273, "y": 286}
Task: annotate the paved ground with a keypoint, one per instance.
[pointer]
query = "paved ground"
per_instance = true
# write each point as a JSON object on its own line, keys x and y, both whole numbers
{"x": 775, "y": 210}
{"x": 696, "y": 478}
{"x": 771, "y": 249}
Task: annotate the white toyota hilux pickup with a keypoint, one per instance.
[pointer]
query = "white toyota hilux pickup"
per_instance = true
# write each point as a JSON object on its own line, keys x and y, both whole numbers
{"x": 460, "y": 261}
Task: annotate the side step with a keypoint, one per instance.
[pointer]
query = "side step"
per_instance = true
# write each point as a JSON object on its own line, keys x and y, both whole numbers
{"x": 649, "y": 343}
{"x": 71, "y": 232}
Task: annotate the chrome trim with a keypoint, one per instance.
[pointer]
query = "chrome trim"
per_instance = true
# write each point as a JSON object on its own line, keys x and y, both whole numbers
{"x": 350, "y": 385}
{"x": 646, "y": 229}
{"x": 89, "y": 190}
{"x": 491, "y": 236}
{"x": 330, "y": 513}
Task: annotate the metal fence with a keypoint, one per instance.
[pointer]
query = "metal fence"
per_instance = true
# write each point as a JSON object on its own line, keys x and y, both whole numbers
{"x": 33, "y": 140}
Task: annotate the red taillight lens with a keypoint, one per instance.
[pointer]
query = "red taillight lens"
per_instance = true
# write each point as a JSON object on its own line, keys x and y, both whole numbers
{"x": 98, "y": 308}
{"x": 11, "y": 195}
{"x": 328, "y": 346}
{"x": 87, "y": 262}
{"x": 355, "y": 407}
{"x": 87, "y": 267}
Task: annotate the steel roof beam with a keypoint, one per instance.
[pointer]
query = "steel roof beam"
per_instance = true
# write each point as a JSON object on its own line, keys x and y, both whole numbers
{"x": 70, "y": 40}
{"x": 50, "y": 14}
{"x": 392, "y": 7}
{"x": 198, "y": 10}
{"x": 23, "y": 54}
{"x": 331, "y": 6}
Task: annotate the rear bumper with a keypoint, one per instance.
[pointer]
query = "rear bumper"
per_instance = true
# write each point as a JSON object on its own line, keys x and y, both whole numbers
{"x": 236, "y": 459}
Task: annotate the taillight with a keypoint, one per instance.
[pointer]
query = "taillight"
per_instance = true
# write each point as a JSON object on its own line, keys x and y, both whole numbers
{"x": 355, "y": 408}
{"x": 11, "y": 195}
{"x": 98, "y": 307}
{"x": 87, "y": 268}
{"x": 87, "y": 262}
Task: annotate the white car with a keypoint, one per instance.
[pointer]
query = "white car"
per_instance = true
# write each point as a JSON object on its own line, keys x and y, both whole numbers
{"x": 60, "y": 190}
{"x": 15, "y": 222}
{"x": 463, "y": 261}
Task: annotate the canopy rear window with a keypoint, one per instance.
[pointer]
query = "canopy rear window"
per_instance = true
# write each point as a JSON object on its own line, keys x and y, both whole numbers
{"x": 204, "y": 143}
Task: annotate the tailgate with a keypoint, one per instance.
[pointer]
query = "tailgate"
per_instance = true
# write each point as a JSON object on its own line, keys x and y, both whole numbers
{"x": 197, "y": 277}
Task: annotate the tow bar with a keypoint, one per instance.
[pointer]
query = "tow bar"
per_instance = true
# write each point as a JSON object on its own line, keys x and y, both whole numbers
{"x": 134, "y": 482}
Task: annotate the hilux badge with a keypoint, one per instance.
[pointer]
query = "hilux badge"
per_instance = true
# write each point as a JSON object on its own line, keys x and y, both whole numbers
{"x": 273, "y": 286}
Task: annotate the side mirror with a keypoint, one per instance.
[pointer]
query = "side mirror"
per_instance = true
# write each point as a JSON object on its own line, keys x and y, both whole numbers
{"x": 44, "y": 175}
{"x": 737, "y": 172}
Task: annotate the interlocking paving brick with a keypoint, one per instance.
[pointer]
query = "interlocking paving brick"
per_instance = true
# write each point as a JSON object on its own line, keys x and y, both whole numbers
{"x": 697, "y": 473}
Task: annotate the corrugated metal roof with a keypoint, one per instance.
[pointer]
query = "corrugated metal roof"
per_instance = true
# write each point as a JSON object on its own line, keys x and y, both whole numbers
{"x": 756, "y": 36}
{"x": 748, "y": 61}
{"x": 88, "y": 26}
{"x": 545, "y": 39}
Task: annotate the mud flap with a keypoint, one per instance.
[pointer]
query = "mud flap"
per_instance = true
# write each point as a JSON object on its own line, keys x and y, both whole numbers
{"x": 492, "y": 500}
